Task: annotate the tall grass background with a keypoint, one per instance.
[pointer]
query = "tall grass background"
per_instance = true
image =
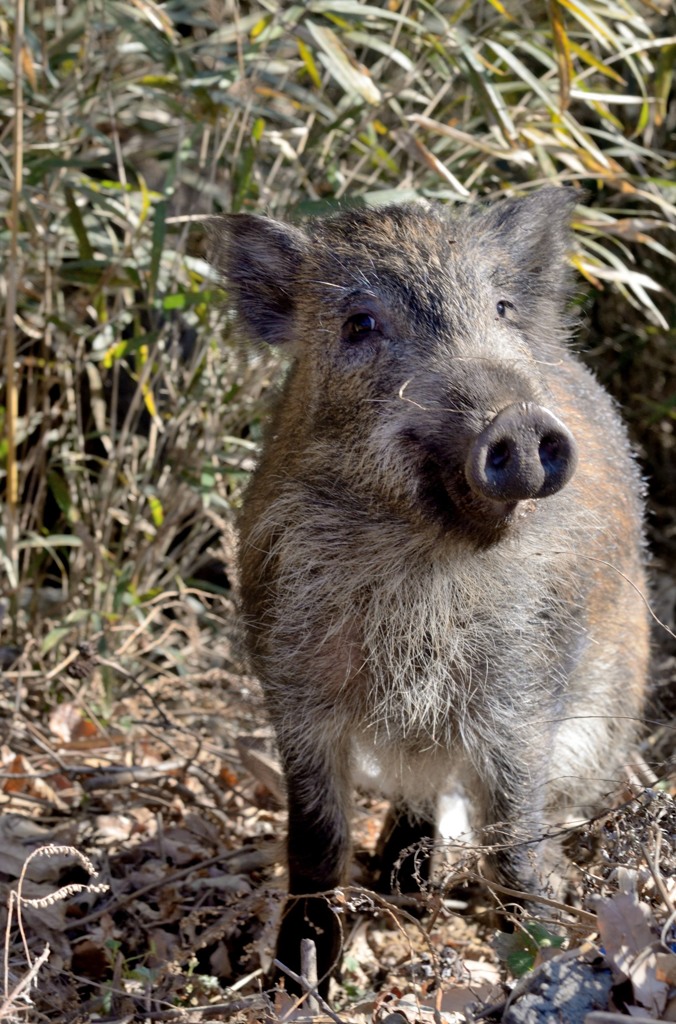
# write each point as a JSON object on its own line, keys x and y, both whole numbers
{"x": 129, "y": 416}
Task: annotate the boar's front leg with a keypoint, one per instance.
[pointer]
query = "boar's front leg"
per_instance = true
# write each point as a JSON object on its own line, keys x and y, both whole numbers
{"x": 318, "y": 847}
{"x": 511, "y": 804}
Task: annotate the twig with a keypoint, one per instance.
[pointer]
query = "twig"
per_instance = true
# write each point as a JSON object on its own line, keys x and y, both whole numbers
{"x": 308, "y": 969}
{"x": 653, "y": 867}
{"x": 11, "y": 997}
{"x": 223, "y": 1010}
{"x": 117, "y": 776}
{"x": 12, "y": 270}
{"x": 307, "y": 987}
{"x": 583, "y": 915}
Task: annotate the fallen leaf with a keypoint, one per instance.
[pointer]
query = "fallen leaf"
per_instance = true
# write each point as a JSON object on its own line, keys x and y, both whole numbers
{"x": 627, "y": 932}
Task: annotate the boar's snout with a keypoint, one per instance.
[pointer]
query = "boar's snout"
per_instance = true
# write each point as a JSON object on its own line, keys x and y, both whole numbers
{"x": 524, "y": 452}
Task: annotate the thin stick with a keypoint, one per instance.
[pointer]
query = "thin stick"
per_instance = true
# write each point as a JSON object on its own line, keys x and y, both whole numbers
{"x": 305, "y": 985}
{"x": 308, "y": 969}
{"x": 10, "y": 308}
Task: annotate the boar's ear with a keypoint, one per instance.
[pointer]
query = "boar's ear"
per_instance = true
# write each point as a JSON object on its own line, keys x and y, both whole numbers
{"x": 259, "y": 260}
{"x": 535, "y": 232}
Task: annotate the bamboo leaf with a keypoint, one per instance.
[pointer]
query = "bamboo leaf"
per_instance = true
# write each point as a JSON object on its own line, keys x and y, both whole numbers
{"x": 362, "y": 11}
{"x": 516, "y": 155}
{"x": 526, "y": 76}
{"x": 664, "y": 77}
{"x": 501, "y": 9}
{"x": 485, "y": 87}
{"x": 157, "y": 244}
{"x": 562, "y": 48}
{"x": 603, "y": 34}
{"x": 353, "y": 78}
{"x": 309, "y": 62}
{"x": 260, "y": 26}
{"x": 373, "y": 42}
{"x": 85, "y": 247}
{"x": 588, "y": 58}
{"x": 60, "y": 491}
{"x": 437, "y": 166}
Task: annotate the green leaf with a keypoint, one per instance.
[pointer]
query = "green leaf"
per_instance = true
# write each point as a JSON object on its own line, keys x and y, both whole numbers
{"x": 664, "y": 77}
{"x": 54, "y": 637}
{"x": 520, "y": 948}
{"x": 258, "y": 129}
{"x": 60, "y": 491}
{"x": 156, "y": 510}
{"x": 86, "y": 248}
{"x": 177, "y": 301}
{"x": 157, "y": 244}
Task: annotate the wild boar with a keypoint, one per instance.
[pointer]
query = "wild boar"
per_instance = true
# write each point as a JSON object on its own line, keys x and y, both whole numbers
{"x": 441, "y": 549}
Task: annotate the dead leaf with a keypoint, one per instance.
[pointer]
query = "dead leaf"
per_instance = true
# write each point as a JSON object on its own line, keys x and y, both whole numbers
{"x": 64, "y": 720}
{"x": 628, "y": 932}
{"x": 625, "y": 930}
{"x": 666, "y": 967}
{"x": 19, "y": 768}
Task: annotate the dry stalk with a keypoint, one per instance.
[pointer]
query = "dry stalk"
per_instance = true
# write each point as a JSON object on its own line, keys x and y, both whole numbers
{"x": 12, "y": 495}
{"x": 17, "y": 900}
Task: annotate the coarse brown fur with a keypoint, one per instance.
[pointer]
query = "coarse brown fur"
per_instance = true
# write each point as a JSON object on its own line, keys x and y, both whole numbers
{"x": 394, "y": 614}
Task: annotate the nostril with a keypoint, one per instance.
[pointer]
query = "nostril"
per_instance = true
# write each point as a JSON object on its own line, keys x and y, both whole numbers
{"x": 498, "y": 455}
{"x": 550, "y": 451}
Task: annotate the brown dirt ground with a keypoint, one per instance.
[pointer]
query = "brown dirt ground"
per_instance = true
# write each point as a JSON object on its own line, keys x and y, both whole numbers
{"x": 153, "y": 766}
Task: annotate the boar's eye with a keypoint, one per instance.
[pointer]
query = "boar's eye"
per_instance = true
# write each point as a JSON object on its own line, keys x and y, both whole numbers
{"x": 502, "y": 306}
{"x": 359, "y": 326}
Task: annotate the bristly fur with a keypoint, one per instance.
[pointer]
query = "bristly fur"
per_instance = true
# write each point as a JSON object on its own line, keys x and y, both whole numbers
{"x": 396, "y": 612}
